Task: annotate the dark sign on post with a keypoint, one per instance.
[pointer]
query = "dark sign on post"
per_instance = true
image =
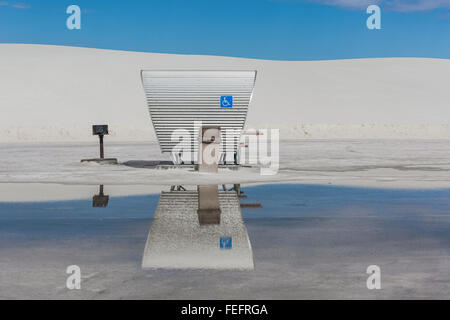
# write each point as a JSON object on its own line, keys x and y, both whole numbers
{"x": 100, "y": 131}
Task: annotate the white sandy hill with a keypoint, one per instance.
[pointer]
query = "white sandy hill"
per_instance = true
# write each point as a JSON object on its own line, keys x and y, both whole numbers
{"x": 52, "y": 93}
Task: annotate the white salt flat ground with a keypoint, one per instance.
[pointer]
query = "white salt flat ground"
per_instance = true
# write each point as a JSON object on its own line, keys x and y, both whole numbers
{"x": 377, "y": 163}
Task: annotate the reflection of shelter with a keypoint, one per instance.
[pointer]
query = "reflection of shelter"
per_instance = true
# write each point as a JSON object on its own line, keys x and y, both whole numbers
{"x": 178, "y": 99}
{"x": 181, "y": 238}
{"x": 100, "y": 200}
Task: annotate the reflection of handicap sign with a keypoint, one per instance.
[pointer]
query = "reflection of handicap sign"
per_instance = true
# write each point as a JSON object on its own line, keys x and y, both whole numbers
{"x": 226, "y": 101}
{"x": 226, "y": 243}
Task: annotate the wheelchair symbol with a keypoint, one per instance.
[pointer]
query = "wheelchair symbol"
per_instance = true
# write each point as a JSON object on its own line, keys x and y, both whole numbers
{"x": 226, "y": 243}
{"x": 226, "y": 101}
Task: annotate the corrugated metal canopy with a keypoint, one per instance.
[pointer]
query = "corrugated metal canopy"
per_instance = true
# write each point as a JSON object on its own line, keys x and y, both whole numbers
{"x": 177, "y": 99}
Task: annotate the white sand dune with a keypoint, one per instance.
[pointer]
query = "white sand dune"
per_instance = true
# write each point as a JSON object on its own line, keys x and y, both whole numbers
{"x": 53, "y": 93}
{"x": 51, "y": 96}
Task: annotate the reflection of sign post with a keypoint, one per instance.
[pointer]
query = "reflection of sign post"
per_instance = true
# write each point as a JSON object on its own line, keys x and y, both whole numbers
{"x": 226, "y": 101}
{"x": 100, "y": 200}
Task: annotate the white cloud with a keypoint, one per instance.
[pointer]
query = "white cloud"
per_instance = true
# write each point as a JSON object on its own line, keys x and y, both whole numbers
{"x": 396, "y": 5}
{"x": 21, "y": 5}
{"x": 17, "y": 5}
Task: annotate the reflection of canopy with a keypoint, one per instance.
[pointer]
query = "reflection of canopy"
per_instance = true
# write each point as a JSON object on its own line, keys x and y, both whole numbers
{"x": 177, "y": 241}
{"x": 178, "y": 98}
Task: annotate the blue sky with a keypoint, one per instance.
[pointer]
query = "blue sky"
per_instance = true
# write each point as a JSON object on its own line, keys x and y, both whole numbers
{"x": 265, "y": 29}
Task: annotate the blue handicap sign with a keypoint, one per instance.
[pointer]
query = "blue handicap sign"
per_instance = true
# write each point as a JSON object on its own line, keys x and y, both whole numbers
{"x": 226, "y": 101}
{"x": 226, "y": 243}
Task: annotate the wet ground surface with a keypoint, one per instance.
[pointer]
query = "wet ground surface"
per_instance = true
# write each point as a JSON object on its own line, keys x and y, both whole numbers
{"x": 306, "y": 242}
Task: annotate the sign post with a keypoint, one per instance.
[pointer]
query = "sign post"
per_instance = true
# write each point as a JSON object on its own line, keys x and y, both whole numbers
{"x": 101, "y": 131}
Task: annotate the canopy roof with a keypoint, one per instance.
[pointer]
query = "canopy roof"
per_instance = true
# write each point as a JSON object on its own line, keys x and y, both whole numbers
{"x": 177, "y": 99}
